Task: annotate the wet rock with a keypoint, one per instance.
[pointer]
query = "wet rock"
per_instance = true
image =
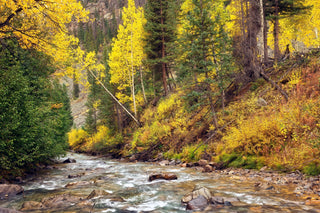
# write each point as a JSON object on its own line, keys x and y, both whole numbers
{"x": 172, "y": 163}
{"x": 223, "y": 201}
{"x": 60, "y": 201}
{"x": 76, "y": 175}
{"x": 9, "y": 190}
{"x": 77, "y": 184}
{"x": 184, "y": 165}
{"x": 117, "y": 199}
{"x": 207, "y": 168}
{"x": 190, "y": 165}
{"x": 31, "y": 205}
{"x": 217, "y": 200}
{"x": 164, "y": 176}
{"x": 218, "y": 166}
{"x": 52, "y": 202}
{"x": 202, "y": 163}
{"x": 164, "y": 163}
{"x": 196, "y": 193}
{"x": 132, "y": 158}
{"x": 97, "y": 193}
{"x": 85, "y": 203}
{"x": 264, "y": 186}
{"x": 199, "y": 203}
{"x": 69, "y": 160}
{"x": 5, "y": 210}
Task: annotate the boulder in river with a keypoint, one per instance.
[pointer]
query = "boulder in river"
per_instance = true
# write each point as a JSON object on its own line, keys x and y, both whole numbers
{"x": 196, "y": 193}
{"x": 164, "y": 163}
{"x": 69, "y": 160}
{"x": 9, "y": 190}
{"x": 199, "y": 203}
{"x": 163, "y": 176}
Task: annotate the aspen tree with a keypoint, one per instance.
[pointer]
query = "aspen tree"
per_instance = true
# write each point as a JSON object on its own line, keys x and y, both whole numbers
{"x": 127, "y": 54}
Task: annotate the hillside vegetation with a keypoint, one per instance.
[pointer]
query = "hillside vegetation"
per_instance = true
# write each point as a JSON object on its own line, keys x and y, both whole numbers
{"x": 258, "y": 127}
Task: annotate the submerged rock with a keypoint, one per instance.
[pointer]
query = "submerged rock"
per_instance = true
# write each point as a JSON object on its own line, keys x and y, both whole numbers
{"x": 163, "y": 176}
{"x": 76, "y": 175}
{"x": 69, "y": 160}
{"x": 9, "y": 190}
{"x": 52, "y": 202}
{"x": 97, "y": 193}
{"x": 31, "y": 205}
{"x": 5, "y": 210}
{"x": 77, "y": 184}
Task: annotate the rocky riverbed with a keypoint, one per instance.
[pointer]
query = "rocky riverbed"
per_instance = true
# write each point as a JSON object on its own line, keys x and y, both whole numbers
{"x": 96, "y": 184}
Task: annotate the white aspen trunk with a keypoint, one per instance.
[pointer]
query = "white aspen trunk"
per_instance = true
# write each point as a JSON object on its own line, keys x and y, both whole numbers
{"x": 142, "y": 85}
{"x": 116, "y": 100}
{"x": 261, "y": 34}
{"x": 132, "y": 75}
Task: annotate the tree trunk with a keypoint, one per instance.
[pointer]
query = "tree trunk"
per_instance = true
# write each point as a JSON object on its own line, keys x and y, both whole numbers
{"x": 164, "y": 74}
{"x": 265, "y": 40}
{"x": 142, "y": 86}
{"x": 276, "y": 32}
{"x": 132, "y": 76}
{"x": 261, "y": 33}
{"x": 115, "y": 99}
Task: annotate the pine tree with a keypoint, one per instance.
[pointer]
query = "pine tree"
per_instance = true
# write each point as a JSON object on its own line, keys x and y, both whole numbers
{"x": 275, "y": 10}
{"x": 205, "y": 50}
{"x": 161, "y": 26}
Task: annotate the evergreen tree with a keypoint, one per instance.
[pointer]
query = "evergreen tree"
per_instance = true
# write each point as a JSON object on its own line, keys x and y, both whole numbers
{"x": 161, "y": 26}
{"x": 277, "y": 9}
{"x": 34, "y": 113}
{"x": 205, "y": 50}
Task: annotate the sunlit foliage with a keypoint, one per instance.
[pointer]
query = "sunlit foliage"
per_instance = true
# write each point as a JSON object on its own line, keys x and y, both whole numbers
{"x": 125, "y": 59}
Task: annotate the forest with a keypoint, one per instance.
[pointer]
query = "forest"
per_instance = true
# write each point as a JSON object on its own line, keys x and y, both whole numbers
{"x": 235, "y": 82}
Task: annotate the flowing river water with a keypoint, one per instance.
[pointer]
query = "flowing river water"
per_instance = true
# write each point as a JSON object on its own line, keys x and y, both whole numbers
{"x": 127, "y": 189}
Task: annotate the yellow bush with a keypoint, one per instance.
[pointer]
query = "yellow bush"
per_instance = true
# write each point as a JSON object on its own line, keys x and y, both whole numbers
{"x": 77, "y": 138}
{"x": 168, "y": 106}
{"x": 279, "y": 134}
{"x": 98, "y": 138}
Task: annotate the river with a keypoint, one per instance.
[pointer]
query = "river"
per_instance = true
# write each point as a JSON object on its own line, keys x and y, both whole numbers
{"x": 126, "y": 188}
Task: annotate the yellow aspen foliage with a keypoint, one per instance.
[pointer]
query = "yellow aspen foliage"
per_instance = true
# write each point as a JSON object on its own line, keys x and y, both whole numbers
{"x": 39, "y": 24}
{"x": 127, "y": 53}
{"x": 300, "y": 31}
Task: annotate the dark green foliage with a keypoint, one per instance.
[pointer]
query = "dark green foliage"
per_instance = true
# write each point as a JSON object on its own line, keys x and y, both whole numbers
{"x": 285, "y": 7}
{"x": 161, "y": 30}
{"x": 104, "y": 113}
{"x": 32, "y": 128}
{"x": 206, "y": 50}
{"x": 238, "y": 160}
{"x": 312, "y": 169}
